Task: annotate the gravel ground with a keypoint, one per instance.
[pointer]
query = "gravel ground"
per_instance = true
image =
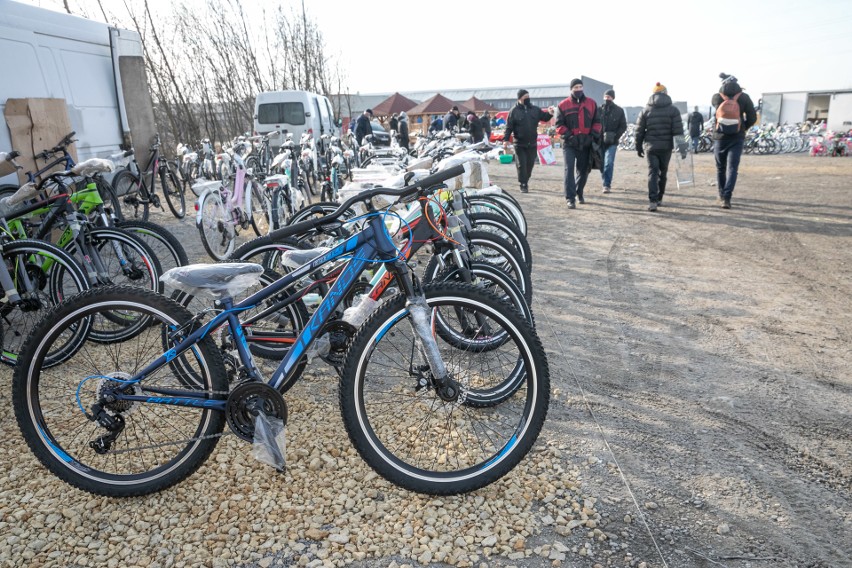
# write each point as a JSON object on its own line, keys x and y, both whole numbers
{"x": 691, "y": 350}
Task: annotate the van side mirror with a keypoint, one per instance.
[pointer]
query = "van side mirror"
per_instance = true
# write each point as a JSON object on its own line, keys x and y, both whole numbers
{"x": 255, "y": 117}
{"x": 308, "y": 113}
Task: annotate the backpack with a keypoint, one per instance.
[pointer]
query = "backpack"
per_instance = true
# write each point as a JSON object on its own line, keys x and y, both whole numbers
{"x": 729, "y": 118}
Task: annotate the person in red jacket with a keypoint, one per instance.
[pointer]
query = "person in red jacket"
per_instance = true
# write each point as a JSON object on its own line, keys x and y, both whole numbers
{"x": 578, "y": 122}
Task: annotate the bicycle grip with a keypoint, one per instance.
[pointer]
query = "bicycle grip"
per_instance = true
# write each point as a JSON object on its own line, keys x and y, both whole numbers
{"x": 10, "y": 156}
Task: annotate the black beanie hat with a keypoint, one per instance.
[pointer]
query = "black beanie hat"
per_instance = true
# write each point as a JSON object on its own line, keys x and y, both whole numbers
{"x": 609, "y": 92}
{"x": 575, "y": 82}
{"x": 522, "y": 92}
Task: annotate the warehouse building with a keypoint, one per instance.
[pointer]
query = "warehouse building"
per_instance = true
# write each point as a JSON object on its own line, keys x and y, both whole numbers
{"x": 833, "y": 107}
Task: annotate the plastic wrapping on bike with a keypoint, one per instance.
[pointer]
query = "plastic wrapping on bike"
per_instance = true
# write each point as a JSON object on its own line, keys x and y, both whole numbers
{"x": 295, "y": 258}
{"x": 8, "y": 204}
{"x": 92, "y": 166}
{"x": 270, "y": 441}
{"x": 213, "y": 280}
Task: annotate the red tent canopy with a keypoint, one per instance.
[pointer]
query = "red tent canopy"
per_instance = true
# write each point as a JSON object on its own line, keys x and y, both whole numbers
{"x": 439, "y": 104}
{"x": 395, "y": 103}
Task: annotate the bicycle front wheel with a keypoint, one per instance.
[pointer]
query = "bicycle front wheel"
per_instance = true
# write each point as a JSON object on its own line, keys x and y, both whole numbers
{"x": 439, "y": 444}
{"x": 174, "y": 192}
{"x": 158, "y": 445}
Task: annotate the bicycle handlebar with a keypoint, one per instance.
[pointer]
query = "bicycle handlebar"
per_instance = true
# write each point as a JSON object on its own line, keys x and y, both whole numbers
{"x": 10, "y": 156}
{"x": 422, "y": 184}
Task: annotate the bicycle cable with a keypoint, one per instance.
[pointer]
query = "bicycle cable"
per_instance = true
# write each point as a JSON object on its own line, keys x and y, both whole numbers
{"x": 563, "y": 353}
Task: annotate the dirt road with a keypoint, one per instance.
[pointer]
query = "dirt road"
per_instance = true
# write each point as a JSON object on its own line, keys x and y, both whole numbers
{"x": 704, "y": 357}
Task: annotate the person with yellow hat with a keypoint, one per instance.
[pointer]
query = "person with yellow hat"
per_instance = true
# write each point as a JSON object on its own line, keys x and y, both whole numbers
{"x": 656, "y": 128}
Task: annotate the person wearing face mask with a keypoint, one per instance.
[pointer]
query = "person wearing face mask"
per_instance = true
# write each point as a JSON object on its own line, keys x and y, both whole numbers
{"x": 522, "y": 123}
{"x": 578, "y": 122}
{"x": 613, "y": 125}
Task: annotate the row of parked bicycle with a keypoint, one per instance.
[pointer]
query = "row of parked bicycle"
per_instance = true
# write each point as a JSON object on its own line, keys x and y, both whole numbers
{"x": 769, "y": 139}
{"x": 127, "y": 375}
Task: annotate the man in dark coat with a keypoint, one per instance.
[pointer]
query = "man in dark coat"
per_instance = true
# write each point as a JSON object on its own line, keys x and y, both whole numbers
{"x": 474, "y": 126}
{"x": 695, "y": 123}
{"x": 451, "y": 119}
{"x": 729, "y": 147}
{"x": 394, "y": 123}
{"x": 403, "y": 131}
{"x": 613, "y": 125}
{"x": 363, "y": 127}
{"x": 522, "y": 123}
{"x": 485, "y": 119}
{"x": 578, "y": 122}
{"x": 656, "y": 128}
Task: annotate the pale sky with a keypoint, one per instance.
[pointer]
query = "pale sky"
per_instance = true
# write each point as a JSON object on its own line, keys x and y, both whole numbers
{"x": 393, "y": 45}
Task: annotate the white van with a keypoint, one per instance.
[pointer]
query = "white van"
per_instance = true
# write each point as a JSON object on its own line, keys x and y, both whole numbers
{"x": 89, "y": 64}
{"x": 293, "y": 112}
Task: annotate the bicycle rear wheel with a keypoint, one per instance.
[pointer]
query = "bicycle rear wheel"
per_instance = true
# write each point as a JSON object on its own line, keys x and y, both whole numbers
{"x": 260, "y": 207}
{"x": 128, "y": 187}
{"x": 437, "y": 445}
{"x": 159, "y": 445}
{"x": 54, "y": 277}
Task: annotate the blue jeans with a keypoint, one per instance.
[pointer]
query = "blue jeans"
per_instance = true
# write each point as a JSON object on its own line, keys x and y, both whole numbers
{"x": 728, "y": 153}
{"x": 695, "y": 141}
{"x": 608, "y": 164}
{"x": 576, "y": 171}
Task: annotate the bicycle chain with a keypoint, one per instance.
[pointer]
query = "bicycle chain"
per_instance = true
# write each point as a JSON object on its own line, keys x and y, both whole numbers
{"x": 177, "y": 442}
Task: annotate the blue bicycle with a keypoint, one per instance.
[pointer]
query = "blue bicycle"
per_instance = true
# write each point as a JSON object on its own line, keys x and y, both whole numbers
{"x": 444, "y": 388}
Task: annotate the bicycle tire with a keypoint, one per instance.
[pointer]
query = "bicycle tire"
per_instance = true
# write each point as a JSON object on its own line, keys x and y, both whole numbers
{"x": 260, "y": 206}
{"x": 63, "y": 280}
{"x": 128, "y": 188}
{"x": 73, "y": 460}
{"x": 505, "y": 208}
{"x": 173, "y": 192}
{"x": 111, "y": 201}
{"x": 166, "y": 246}
{"x": 367, "y": 400}
{"x": 143, "y": 260}
{"x": 279, "y": 211}
{"x": 214, "y": 224}
{"x": 498, "y": 225}
{"x": 488, "y": 247}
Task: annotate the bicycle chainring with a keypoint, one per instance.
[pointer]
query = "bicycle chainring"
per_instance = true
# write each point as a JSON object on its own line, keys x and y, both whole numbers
{"x": 248, "y": 399}
{"x": 340, "y": 335}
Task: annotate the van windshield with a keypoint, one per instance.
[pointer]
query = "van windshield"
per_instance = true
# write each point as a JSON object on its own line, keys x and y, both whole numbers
{"x": 277, "y": 113}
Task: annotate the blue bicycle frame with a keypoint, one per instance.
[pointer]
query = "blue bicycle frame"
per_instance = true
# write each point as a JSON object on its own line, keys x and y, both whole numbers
{"x": 363, "y": 246}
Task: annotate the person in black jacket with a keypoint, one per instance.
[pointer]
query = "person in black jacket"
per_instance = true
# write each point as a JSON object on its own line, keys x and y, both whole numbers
{"x": 451, "y": 119}
{"x": 729, "y": 147}
{"x": 613, "y": 124}
{"x": 485, "y": 119}
{"x": 522, "y": 123}
{"x": 474, "y": 126}
{"x": 696, "y": 127}
{"x": 363, "y": 126}
{"x": 403, "y": 131}
{"x": 394, "y": 123}
{"x": 656, "y": 128}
